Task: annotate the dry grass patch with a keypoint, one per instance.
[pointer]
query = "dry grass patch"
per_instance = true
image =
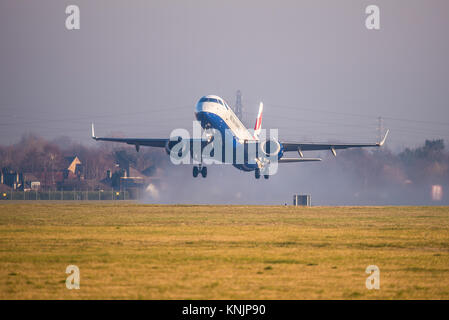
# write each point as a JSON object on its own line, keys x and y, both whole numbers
{"x": 133, "y": 251}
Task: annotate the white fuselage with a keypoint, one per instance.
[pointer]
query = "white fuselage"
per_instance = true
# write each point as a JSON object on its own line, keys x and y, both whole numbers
{"x": 214, "y": 112}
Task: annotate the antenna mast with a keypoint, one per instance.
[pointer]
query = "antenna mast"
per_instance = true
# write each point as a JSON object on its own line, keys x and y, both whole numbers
{"x": 238, "y": 109}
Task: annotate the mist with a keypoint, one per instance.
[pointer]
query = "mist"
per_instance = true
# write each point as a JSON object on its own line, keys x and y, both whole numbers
{"x": 354, "y": 177}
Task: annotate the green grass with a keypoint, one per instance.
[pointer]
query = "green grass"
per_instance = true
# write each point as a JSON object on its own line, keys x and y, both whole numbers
{"x": 132, "y": 251}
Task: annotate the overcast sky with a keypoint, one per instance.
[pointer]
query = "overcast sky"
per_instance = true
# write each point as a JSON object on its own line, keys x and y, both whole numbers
{"x": 139, "y": 67}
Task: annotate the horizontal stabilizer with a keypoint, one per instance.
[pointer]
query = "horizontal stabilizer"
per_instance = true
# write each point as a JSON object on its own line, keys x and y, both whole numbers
{"x": 289, "y": 160}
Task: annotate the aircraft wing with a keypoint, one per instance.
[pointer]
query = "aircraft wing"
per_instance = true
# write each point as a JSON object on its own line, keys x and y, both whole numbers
{"x": 159, "y": 143}
{"x": 300, "y": 146}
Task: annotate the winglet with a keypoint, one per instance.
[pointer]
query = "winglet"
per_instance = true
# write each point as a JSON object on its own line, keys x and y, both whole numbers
{"x": 93, "y": 132}
{"x": 381, "y": 143}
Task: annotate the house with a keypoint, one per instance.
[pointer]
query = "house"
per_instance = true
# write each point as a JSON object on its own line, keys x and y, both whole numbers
{"x": 30, "y": 182}
{"x": 49, "y": 179}
{"x": 125, "y": 178}
{"x": 71, "y": 163}
{"x": 12, "y": 179}
{"x": 135, "y": 179}
{"x": 74, "y": 169}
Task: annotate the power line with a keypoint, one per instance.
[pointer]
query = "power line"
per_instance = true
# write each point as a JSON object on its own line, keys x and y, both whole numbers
{"x": 90, "y": 117}
{"x": 356, "y": 114}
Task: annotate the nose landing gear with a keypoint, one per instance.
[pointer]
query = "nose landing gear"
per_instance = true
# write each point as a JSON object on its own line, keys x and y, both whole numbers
{"x": 199, "y": 169}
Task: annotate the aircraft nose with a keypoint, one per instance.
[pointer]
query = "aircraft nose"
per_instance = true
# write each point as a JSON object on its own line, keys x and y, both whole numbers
{"x": 199, "y": 107}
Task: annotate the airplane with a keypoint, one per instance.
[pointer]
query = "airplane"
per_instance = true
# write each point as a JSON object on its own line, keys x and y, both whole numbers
{"x": 213, "y": 112}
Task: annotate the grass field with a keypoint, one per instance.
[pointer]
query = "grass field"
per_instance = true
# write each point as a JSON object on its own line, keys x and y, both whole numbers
{"x": 133, "y": 251}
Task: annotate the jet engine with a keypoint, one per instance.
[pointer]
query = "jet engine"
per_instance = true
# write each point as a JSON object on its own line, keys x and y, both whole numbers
{"x": 271, "y": 148}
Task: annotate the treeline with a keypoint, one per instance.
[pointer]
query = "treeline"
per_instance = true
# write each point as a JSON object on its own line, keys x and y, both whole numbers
{"x": 34, "y": 154}
{"x": 424, "y": 165}
{"x": 427, "y": 164}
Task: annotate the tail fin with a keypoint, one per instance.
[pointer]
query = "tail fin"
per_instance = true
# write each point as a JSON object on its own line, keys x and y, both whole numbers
{"x": 258, "y": 126}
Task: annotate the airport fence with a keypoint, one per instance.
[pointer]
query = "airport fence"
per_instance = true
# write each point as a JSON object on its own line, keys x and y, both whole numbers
{"x": 70, "y": 195}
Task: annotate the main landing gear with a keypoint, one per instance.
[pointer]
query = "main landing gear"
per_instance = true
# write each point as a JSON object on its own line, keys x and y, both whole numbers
{"x": 199, "y": 169}
{"x": 257, "y": 174}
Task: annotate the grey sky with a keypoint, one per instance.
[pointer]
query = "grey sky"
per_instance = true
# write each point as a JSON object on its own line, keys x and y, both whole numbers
{"x": 138, "y": 67}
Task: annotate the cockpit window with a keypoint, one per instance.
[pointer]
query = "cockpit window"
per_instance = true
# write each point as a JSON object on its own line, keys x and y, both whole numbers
{"x": 211, "y": 100}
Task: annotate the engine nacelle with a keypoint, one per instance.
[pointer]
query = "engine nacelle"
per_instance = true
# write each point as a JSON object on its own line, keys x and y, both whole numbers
{"x": 170, "y": 144}
{"x": 271, "y": 148}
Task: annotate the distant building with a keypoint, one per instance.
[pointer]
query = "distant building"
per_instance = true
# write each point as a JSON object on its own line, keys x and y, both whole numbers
{"x": 302, "y": 200}
{"x": 74, "y": 169}
{"x": 35, "y": 185}
{"x": 30, "y": 182}
{"x": 11, "y": 178}
{"x": 72, "y": 163}
{"x": 49, "y": 179}
{"x": 130, "y": 178}
{"x": 135, "y": 179}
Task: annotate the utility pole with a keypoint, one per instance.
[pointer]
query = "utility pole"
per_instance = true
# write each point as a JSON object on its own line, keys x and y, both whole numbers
{"x": 238, "y": 109}
{"x": 52, "y": 158}
{"x": 380, "y": 127}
